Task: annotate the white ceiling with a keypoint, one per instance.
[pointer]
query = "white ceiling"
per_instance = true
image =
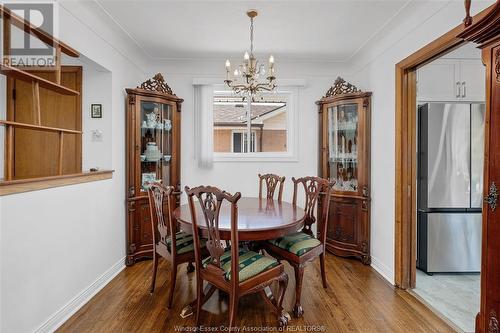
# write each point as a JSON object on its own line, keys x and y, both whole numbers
{"x": 309, "y": 30}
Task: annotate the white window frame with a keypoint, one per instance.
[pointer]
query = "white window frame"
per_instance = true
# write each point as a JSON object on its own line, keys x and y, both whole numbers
{"x": 292, "y": 139}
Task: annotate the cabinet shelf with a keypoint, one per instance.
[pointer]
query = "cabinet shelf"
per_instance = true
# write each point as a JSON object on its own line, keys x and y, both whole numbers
{"x": 38, "y": 127}
{"x": 27, "y": 77}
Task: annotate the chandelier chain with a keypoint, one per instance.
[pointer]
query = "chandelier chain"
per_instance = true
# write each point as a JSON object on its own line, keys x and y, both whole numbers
{"x": 251, "y": 36}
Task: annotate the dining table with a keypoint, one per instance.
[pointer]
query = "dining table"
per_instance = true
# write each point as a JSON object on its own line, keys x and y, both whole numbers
{"x": 258, "y": 219}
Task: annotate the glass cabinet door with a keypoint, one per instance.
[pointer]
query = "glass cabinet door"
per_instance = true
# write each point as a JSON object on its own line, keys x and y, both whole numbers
{"x": 156, "y": 143}
{"x": 343, "y": 146}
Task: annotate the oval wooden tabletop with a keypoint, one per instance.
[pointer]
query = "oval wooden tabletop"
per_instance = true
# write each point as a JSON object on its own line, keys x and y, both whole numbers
{"x": 258, "y": 219}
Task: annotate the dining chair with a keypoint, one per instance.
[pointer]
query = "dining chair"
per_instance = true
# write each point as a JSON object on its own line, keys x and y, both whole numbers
{"x": 272, "y": 181}
{"x": 302, "y": 247}
{"x": 178, "y": 249}
{"x": 254, "y": 272}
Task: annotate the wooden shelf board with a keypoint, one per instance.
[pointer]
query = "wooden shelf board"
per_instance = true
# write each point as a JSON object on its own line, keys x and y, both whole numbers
{"x": 34, "y": 184}
{"x": 38, "y": 127}
{"x": 37, "y": 32}
{"x": 25, "y": 76}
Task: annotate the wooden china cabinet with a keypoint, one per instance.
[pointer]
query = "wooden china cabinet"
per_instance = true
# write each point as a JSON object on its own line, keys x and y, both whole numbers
{"x": 153, "y": 154}
{"x": 344, "y": 157}
{"x": 485, "y": 33}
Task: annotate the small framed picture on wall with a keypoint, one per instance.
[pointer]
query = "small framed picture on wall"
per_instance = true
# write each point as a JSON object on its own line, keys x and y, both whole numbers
{"x": 96, "y": 110}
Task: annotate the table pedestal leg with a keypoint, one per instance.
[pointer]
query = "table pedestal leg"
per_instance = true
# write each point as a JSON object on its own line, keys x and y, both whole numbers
{"x": 190, "y": 309}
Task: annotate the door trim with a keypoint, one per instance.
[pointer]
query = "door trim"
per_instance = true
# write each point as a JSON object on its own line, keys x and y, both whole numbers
{"x": 406, "y": 159}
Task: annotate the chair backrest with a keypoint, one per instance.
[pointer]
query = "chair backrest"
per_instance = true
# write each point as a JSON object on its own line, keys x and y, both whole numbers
{"x": 160, "y": 205}
{"x": 317, "y": 195}
{"x": 211, "y": 199}
{"x": 272, "y": 181}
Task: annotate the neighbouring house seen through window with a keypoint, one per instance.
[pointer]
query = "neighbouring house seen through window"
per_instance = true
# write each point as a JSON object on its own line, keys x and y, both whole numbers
{"x": 267, "y": 123}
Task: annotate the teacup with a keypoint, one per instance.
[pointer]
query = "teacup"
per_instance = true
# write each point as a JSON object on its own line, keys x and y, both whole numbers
{"x": 167, "y": 158}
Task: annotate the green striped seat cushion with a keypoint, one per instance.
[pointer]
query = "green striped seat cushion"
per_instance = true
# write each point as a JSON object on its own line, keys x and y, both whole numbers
{"x": 184, "y": 242}
{"x": 250, "y": 263}
{"x": 297, "y": 243}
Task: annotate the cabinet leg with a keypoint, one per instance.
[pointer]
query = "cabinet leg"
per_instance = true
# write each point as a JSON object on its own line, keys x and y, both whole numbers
{"x": 366, "y": 259}
{"x": 130, "y": 261}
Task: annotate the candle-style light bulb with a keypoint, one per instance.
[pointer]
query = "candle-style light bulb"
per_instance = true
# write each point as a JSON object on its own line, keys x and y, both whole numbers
{"x": 271, "y": 59}
{"x": 228, "y": 64}
{"x": 236, "y": 72}
{"x": 246, "y": 56}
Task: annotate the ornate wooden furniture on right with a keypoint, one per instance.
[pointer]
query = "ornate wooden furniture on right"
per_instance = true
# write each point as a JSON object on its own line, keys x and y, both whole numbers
{"x": 255, "y": 271}
{"x": 300, "y": 248}
{"x": 486, "y": 33}
{"x": 153, "y": 154}
{"x": 175, "y": 246}
{"x": 344, "y": 156}
{"x": 272, "y": 181}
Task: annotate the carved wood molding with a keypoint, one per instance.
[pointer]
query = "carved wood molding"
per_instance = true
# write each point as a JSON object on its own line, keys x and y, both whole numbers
{"x": 158, "y": 84}
{"x": 341, "y": 87}
{"x": 493, "y": 326}
{"x": 497, "y": 64}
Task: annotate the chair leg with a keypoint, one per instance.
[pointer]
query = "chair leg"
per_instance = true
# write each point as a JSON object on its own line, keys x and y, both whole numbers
{"x": 155, "y": 269}
{"x": 323, "y": 272}
{"x": 233, "y": 309}
{"x": 283, "y": 317}
{"x": 173, "y": 277}
{"x": 199, "y": 300}
{"x": 299, "y": 274}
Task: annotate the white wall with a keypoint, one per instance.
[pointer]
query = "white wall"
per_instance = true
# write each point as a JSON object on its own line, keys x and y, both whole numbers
{"x": 56, "y": 243}
{"x": 242, "y": 176}
{"x": 374, "y": 70}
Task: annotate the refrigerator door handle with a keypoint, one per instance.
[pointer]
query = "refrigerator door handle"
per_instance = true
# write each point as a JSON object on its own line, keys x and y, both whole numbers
{"x": 464, "y": 92}
{"x": 458, "y": 89}
{"x": 491, "y": 198}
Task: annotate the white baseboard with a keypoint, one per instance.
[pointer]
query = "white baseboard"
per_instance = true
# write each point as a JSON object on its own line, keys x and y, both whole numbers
{"x": 64, "y": 313}
{"x": 383, "y": 270}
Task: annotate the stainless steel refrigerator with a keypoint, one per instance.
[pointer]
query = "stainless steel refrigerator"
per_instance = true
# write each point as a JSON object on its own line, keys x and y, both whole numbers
{"x": 450, "y": 187}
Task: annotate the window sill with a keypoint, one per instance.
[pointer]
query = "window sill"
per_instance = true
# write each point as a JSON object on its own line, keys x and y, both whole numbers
{"x": 35, "y": 184}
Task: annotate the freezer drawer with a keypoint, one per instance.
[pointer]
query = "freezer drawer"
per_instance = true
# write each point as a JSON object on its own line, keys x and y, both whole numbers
{"x": 453, "y": 242}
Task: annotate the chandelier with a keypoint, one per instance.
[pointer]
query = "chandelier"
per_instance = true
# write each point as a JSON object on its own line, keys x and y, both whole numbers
{"x": 250, "y": 77}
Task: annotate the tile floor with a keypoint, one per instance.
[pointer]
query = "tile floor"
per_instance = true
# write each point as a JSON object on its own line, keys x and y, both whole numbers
{"x": 456, "y": 296}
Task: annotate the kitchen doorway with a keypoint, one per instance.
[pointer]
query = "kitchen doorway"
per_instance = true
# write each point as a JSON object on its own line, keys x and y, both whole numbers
{"x": 450, "y": 160}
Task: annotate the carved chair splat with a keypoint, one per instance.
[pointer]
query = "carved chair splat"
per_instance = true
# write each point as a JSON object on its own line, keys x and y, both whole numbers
{"x": 272, "y": 182}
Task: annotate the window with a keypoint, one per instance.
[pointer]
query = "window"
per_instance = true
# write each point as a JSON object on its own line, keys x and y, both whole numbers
{"x": 239, "y": 144}
{"x": 270, "y": 122}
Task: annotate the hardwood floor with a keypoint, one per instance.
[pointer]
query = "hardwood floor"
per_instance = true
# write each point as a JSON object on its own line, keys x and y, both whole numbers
{"x": 357, "y": 300}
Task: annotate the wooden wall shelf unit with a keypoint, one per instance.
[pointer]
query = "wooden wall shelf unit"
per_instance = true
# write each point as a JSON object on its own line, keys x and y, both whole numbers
{"x": 344, "y": 157}
{"x": 153, "y": 154}
{"x": 10, "y": 185}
